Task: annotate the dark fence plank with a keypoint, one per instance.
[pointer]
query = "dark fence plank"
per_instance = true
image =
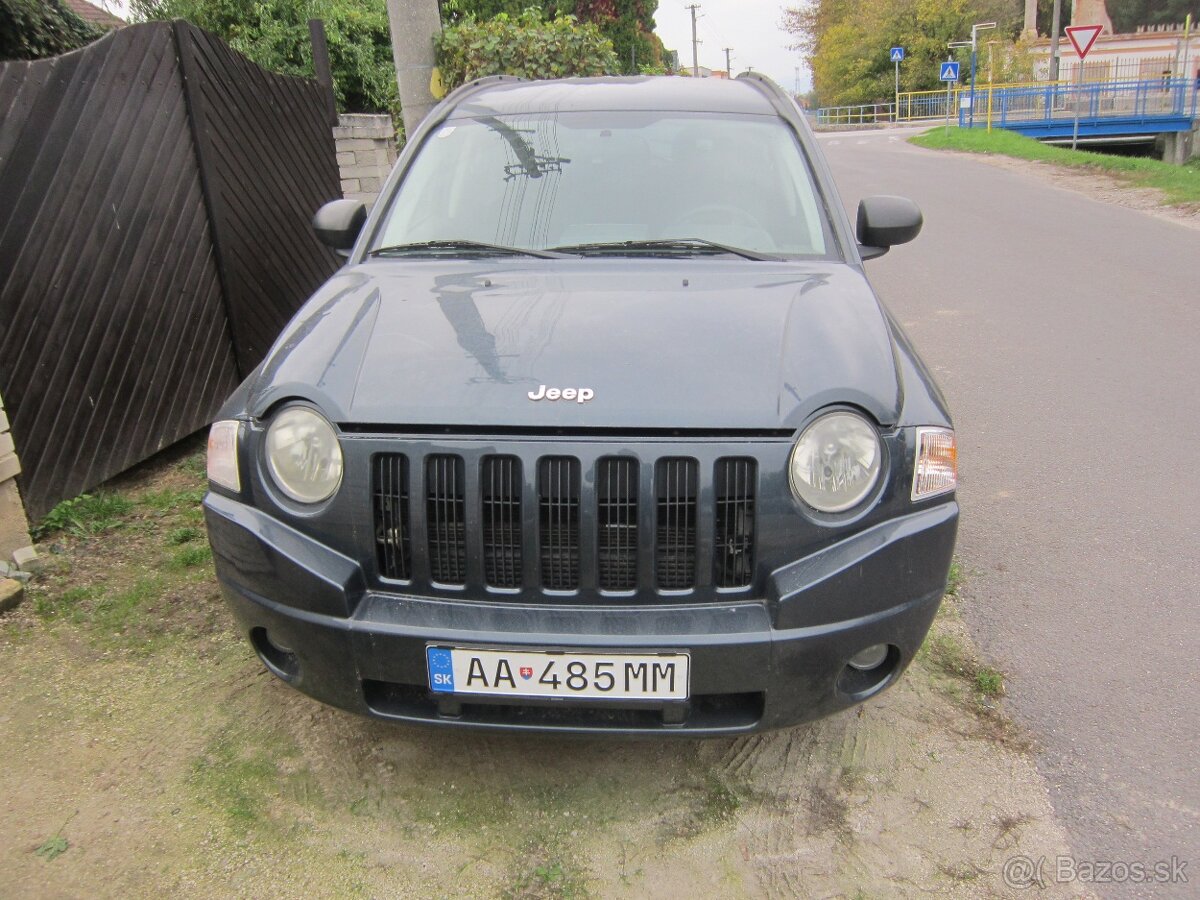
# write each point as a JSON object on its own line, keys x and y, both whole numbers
{"x": 115, "y": 329}
{"x": 267, "y": 154}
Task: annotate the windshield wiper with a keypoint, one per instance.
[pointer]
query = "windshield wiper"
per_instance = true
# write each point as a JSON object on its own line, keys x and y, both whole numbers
{"x": 452, "y": 246}
{"x": 667, "y": 245}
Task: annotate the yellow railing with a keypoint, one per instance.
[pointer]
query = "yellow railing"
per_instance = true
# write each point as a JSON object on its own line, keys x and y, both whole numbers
{"x": 918, "y": 106}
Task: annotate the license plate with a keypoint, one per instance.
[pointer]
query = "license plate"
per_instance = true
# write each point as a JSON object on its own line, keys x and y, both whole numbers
{"x": 537, "y": 673}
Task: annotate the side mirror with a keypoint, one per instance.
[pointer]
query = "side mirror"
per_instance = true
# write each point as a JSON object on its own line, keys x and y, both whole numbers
{"x": 338, "y": 222}
{"x": 884, "y": 222}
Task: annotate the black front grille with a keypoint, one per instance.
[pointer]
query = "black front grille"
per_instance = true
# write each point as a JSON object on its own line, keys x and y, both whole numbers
{"x": 445, "y": 516}
{"x": 733, "y": 560}
{"x": 393, "y": 540}
{"x": 675, "y": 540}
{"x": 501, "y": 484}
{"x": 520, "y": 521}
{"x": 558, "y": 521}
{"x": 617, "y": 516}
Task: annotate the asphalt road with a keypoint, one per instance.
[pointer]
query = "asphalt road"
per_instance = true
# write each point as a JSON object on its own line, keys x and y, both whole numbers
{"x": 1065, "y": 332}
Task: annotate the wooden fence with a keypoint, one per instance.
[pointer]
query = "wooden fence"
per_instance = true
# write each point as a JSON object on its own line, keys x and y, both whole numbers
{"x": 155, "y": 196}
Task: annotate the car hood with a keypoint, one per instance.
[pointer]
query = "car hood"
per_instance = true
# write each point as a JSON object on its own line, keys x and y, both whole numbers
{"x": 698, "y": 343}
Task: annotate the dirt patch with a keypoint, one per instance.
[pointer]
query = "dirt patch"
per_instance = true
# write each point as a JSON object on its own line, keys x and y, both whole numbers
{"x": 149, "y": 753}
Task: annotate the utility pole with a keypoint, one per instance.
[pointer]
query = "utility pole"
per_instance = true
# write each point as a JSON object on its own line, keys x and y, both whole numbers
{"x": 728, "y": 65}
{"x": 695, "y": 52}
{"x": 1055, "y": 28}
{"x": 414, "y": 24}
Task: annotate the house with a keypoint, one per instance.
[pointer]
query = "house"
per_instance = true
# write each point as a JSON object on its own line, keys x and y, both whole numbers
{"x": 95, "y": 15}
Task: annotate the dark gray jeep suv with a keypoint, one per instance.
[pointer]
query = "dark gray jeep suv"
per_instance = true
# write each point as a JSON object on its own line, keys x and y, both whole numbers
{"x": 601, "y": 428}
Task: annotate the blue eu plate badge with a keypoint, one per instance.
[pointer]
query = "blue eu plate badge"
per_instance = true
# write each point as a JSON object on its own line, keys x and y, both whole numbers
{"x": 441, "y": 669}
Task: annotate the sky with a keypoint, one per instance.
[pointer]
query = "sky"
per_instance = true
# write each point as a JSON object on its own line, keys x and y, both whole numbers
{"x": 750, "y": 27}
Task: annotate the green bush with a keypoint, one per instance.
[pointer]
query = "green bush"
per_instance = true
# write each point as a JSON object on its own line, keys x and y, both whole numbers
{"x": 527, "y": 46}
{"x": 35, "y": 29}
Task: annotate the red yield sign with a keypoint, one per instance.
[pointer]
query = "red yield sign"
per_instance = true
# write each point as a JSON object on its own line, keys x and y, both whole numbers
{"x": 1083, "y": 36}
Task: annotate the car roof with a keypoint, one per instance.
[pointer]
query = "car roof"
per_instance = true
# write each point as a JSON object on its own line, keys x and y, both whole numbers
{"x": 659, "y": 93}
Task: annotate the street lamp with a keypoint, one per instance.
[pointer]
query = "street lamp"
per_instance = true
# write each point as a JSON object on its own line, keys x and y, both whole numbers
{"x": 975, "y": 29}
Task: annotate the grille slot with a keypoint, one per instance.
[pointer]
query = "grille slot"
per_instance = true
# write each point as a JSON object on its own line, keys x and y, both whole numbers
{"x": 617, "y": 516}
{"x": 393, "y": 539}
{"x": 675, "y": 538}
{"x": 500, "y": 485}
{"x": 445, "y": 513}
{"x": 558, "y": 521}
{"x": 733, "y": 563}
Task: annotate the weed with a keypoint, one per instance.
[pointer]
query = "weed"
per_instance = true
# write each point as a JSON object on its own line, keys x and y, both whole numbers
{"x": 53, "y": 847}
{"x": 235, "y": 781}
{"x": 954, "y": 580}
{"x": 989, "y": 682}
{"x": 718, "y": 803}
{"x": 171, "y": 500}
{"x": 184, "y": 535}
{"x": 112, "y": 613}
{"x": 190, "y": 557}
{"x": 85, "y": 515}
{"x": 544, "y": 871}
{"x": 65, "y": 605}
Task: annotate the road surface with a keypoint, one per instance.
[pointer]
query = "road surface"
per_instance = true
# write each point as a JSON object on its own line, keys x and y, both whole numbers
{"x": 1065, "y": 333}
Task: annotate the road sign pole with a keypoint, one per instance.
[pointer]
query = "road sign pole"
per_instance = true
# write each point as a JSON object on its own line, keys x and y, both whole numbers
{"x": 973, "y": 55}
{"x": 1078, "y": 92}
{"x": 948, "y": 102}
{"x": 896, "y": 113}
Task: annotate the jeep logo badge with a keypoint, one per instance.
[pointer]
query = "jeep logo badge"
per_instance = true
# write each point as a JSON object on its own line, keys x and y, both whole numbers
{"x": 579, "y": 395}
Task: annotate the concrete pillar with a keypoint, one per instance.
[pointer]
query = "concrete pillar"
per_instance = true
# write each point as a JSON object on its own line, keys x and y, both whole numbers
{"x": 16, "y": 549}
{"x": 1031, "y": 18}
{"x": 414, "y": 24}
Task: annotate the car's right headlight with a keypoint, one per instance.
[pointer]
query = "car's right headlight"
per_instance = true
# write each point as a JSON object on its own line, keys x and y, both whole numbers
{"x": 836, "y": 462}
{"x": 303, "y": 455}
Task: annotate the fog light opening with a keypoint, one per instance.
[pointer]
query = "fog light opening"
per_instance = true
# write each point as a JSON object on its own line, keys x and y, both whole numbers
{"x": 870, "y": 658}
{"x": 869, "y": 671}
{"x": 281, "y": 662}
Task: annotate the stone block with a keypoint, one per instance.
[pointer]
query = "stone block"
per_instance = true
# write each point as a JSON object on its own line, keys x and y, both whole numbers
{"x": 350, "y": 187}
{"x": 345, "y": 159}
{"x": 11, "y": 593}
{"x": 10, "y": 466}
{"x": 347, "y": 144}
{"x": 26, "y": 558}
{"x": 14, "y": 530}
{"x": 369, "y": 185}
{"x": 6, "y": 440}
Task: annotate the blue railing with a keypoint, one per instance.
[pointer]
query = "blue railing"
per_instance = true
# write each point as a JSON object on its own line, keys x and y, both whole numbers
{"x": 1103, "y": 108}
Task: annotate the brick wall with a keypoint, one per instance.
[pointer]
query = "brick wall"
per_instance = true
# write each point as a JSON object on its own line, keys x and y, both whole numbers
{"x": 366, "y": 149}
{"x": 16, "y": 549}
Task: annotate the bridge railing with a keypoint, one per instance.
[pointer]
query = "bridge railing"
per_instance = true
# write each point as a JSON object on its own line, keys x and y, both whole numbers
{"x": 863, "y": 114}
{"x": 1150, "y": 99}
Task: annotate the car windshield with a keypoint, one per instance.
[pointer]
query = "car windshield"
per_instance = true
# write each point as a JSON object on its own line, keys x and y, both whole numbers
{"x": 562, "y": 180}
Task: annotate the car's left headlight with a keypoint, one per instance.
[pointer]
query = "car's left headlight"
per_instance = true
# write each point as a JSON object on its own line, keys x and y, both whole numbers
{"x": 836, "y": 462}
{"x": 303, "y": 455}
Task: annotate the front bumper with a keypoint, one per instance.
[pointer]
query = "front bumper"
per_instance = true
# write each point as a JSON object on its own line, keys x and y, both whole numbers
{"x": 756, "y": 664}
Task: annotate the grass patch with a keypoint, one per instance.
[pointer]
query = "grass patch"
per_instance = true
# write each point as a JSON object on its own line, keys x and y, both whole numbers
{"x": 545, "y": 870}
{"x": 236, "y": 780}
{"x": 85, "y": 515}
{"x": 184, "y": 535}
{"x": 53, "y": 848}
{"x": 190, "y": 557}
{"x": 1179, "y": 184}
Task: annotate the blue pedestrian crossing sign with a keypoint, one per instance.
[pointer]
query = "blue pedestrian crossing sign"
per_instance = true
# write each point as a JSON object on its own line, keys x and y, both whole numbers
{"x": 949, "y": 71}
{"x": 897, "y": 54}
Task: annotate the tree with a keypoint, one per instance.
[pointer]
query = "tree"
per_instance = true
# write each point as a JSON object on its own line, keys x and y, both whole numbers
{"x": 846, "y": 42}
{"x": 274, "y": 33}
{"x": 628, "y": 24}
{"x": 528, "y": 46}
{"x": 35, "y": 29}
